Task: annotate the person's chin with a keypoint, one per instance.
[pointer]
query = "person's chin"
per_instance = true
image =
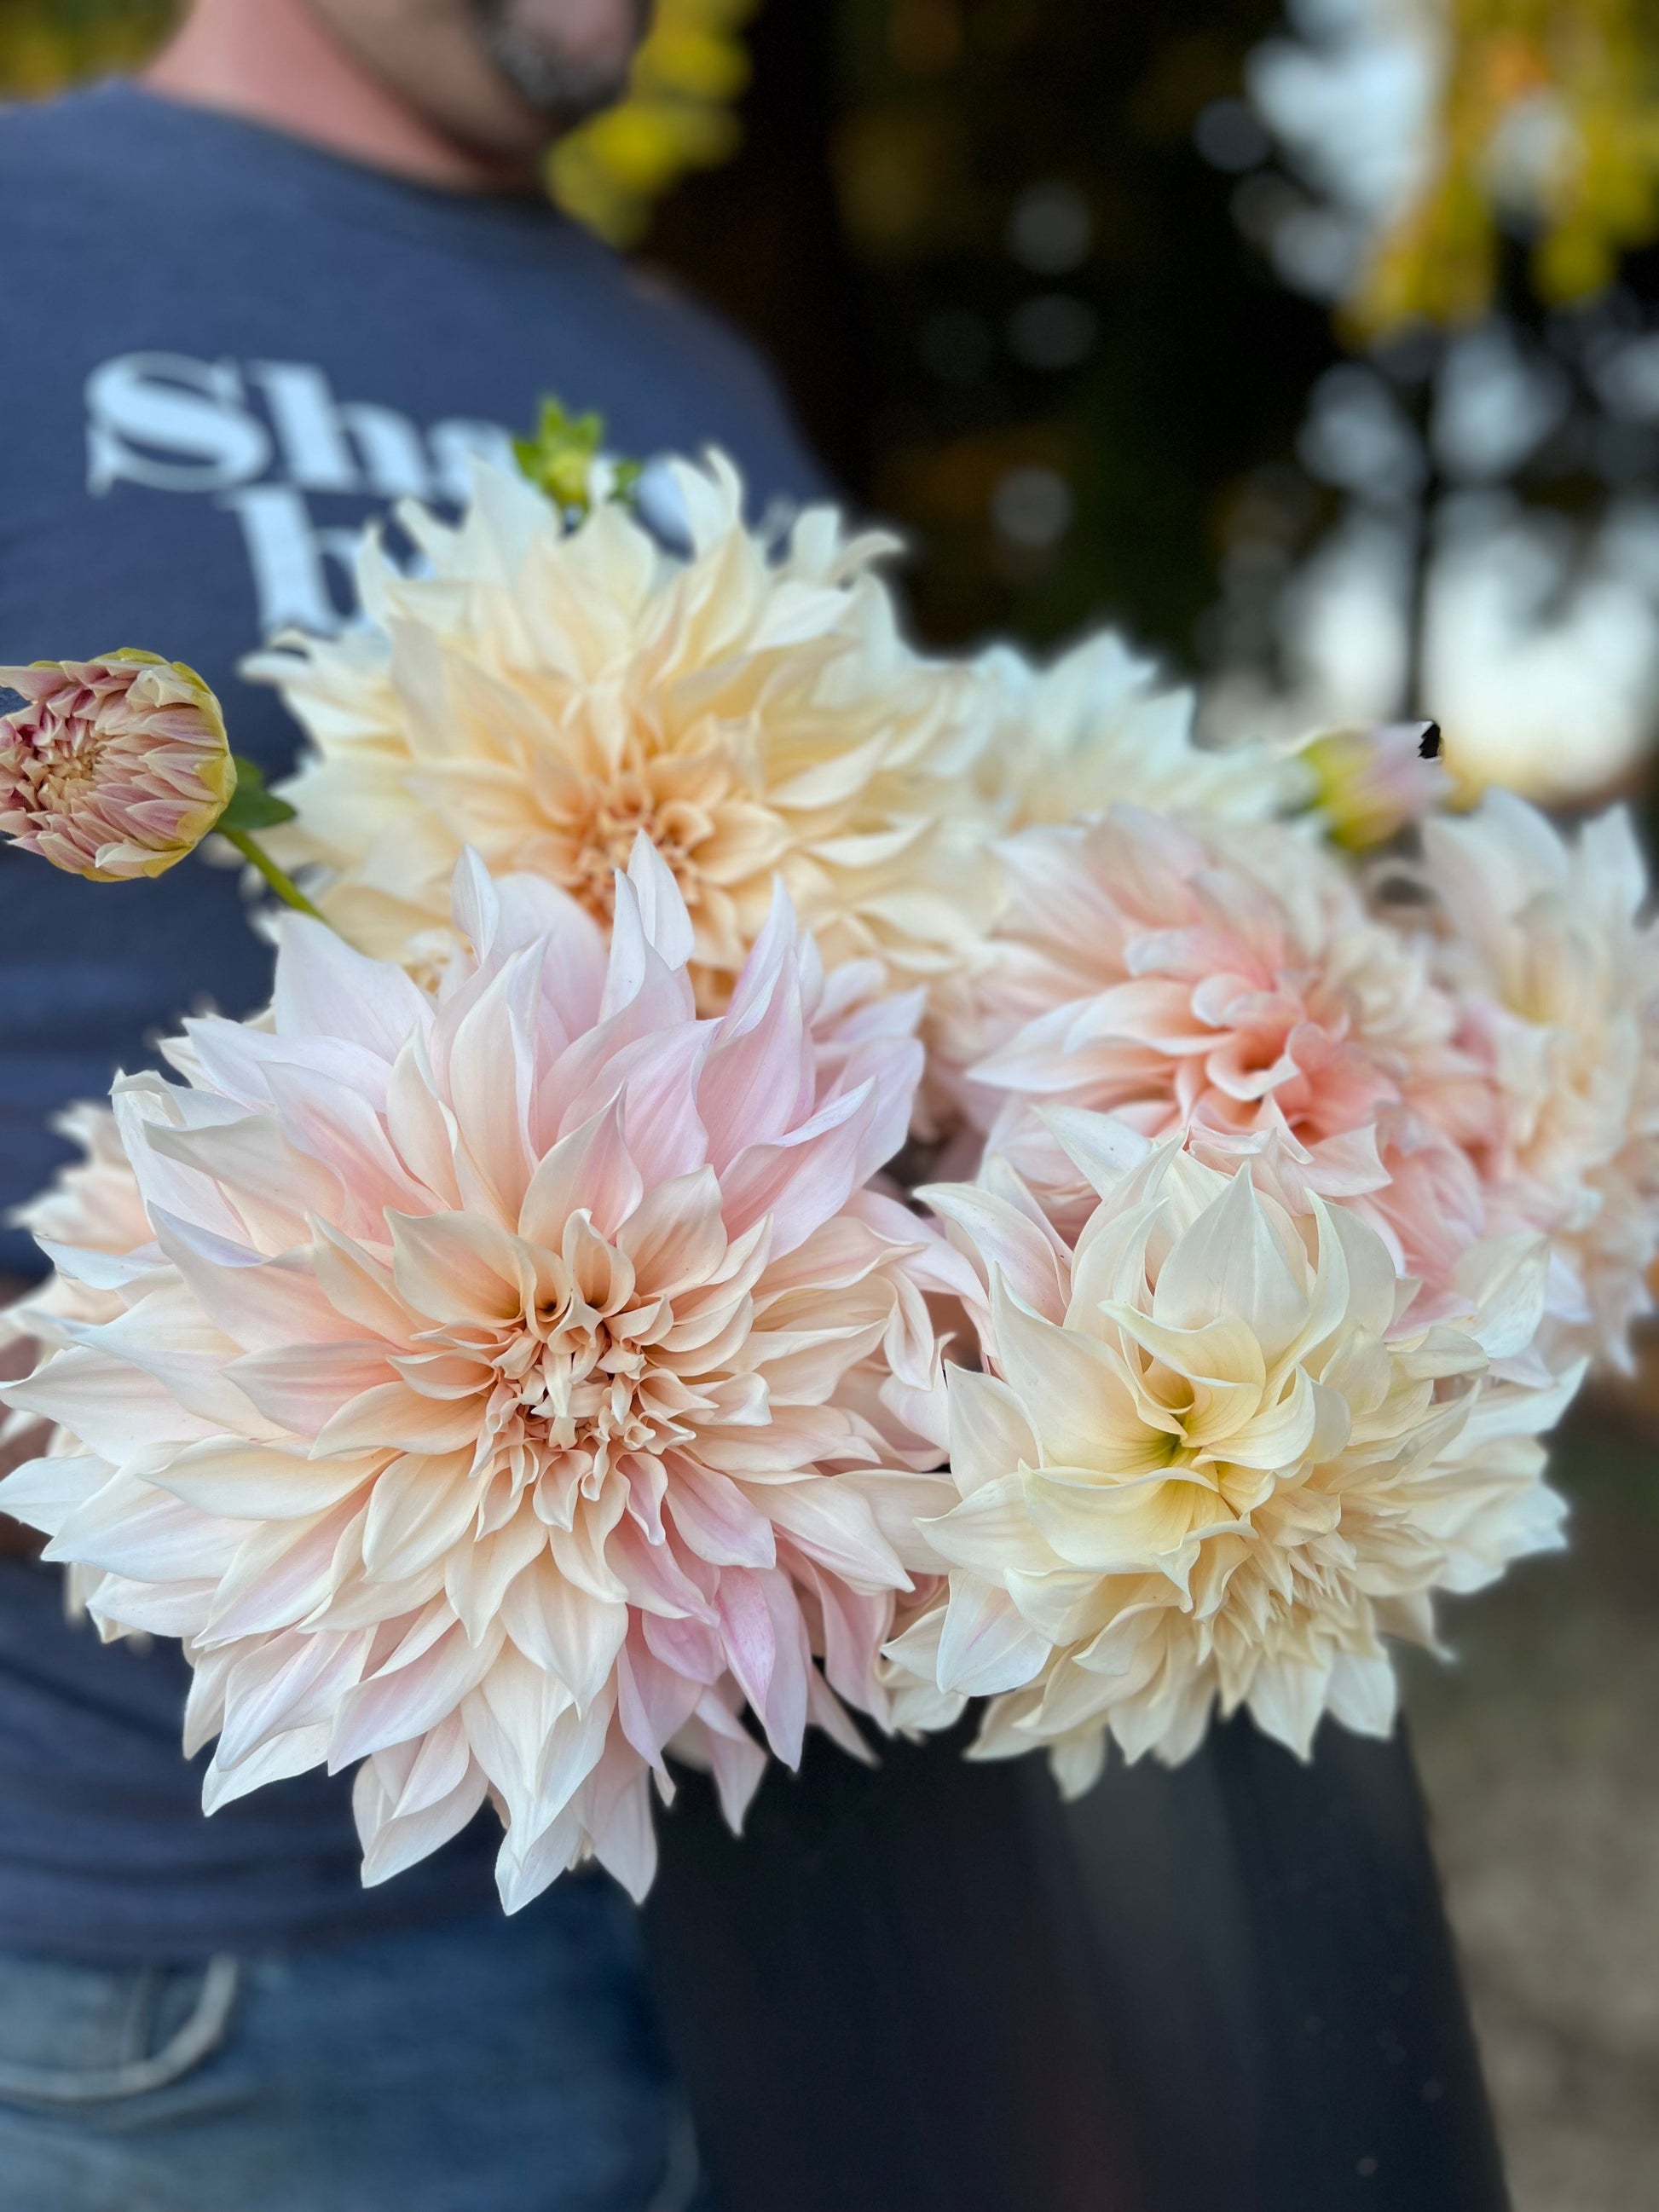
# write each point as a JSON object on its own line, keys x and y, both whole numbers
{"x": 554, "y": 90}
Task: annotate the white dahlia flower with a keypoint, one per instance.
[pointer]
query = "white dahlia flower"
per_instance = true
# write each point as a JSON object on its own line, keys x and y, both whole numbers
{"x": 1096, "y": 728}
{"x": 507, "y": 1386}
{"x": 1552, "y": 949}
{"x": 1211, "y": 1461}
{"x": 546, "y": 692}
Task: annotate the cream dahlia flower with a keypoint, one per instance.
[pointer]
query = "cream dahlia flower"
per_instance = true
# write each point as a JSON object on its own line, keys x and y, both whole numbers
{"x": 1212, "y": 1460}
{"x": 1551, "y": 946}
{"x": 1096, "y": 728}
{"x": 546, "y": 692}
{"x": 1230, "y": 983}
{"x": 114, "y": 768}
{"x": 508, "y": 1392}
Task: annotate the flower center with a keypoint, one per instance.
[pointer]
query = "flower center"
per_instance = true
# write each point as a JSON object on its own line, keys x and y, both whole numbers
{"x": 577, "y": 1398}
{"x": 57, "y": 761}
{"x": 590, "y": 818}
{"x": 617, "y": 811}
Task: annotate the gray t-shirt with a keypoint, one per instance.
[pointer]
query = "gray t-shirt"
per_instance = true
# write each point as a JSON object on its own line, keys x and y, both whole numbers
{"x": 226, "y": 349}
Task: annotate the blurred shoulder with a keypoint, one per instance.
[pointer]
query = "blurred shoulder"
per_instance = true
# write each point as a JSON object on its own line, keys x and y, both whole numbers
{"x": 77, "y": 137}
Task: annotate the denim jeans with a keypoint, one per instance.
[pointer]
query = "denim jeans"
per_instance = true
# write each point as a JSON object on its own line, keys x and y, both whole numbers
{"x": 480, "y": 2065}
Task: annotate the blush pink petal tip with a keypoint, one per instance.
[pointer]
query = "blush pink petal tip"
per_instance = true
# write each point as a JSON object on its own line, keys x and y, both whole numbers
{"x": 509, "y": 1387}
{"x": 114, "y": 768}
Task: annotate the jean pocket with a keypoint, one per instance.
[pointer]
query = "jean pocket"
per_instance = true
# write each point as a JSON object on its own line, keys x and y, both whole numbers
{"x": 75, "y": 2036}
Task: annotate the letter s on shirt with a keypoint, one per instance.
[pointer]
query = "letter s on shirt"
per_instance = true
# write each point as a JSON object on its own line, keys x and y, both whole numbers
{"x": 176, "y": 424}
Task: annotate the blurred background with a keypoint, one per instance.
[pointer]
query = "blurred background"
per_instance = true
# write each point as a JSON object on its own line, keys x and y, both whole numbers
{"x": 1318, "y": 348}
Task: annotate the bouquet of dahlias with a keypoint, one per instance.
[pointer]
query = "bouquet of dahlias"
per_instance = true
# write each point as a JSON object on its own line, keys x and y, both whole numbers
{"x": 530, "y": 1355}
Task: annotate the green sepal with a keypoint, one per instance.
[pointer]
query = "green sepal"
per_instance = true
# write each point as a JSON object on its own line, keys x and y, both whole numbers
{"x": 558, "y": 458}
{"x": 251, "y": 806}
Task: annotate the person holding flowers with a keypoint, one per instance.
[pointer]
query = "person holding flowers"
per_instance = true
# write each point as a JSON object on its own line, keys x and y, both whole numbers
{"x": 785, "y": 1186}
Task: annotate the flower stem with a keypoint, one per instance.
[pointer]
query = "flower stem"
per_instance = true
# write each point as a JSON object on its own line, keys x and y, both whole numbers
{"x": 282, "y": 883}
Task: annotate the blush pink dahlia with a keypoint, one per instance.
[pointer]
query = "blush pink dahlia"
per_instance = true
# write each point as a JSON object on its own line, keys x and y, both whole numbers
{"x": 115, "y": 767}
{"x": 1229, "y": 982}
{"x": 507, "y": 1395}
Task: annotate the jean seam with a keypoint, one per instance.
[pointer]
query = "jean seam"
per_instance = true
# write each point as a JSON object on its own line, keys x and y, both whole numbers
{"x": 194, "y": 2040}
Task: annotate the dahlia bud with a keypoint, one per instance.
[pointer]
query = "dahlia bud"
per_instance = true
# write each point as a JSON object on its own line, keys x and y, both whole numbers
{"x": 115, "y": 767}
{"x": 1370, "y": 784}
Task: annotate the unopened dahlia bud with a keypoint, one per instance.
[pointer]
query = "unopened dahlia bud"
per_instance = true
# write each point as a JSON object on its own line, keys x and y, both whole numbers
{"x": 115, "y": 767}
{"x": 1370, "y": 784}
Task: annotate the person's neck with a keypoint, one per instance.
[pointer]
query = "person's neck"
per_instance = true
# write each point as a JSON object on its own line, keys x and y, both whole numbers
{"x": 278, "y": 65}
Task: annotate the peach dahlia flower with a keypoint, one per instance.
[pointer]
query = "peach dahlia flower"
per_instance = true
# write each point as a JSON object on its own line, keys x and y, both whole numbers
{"x": 1214, "y": 1461}
{"x": 1551, "y": 946}
{"x": 546, "y": 692}
{"x": 508, "y": 1390}
{"x": 114, "y": 767}
{"x": 1228, "y": 982}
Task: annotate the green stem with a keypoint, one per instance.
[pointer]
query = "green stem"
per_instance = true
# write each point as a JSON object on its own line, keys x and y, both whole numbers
{"x": 282, "y": 883}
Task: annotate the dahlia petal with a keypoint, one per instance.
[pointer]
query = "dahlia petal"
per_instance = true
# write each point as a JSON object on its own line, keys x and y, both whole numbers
{"x": 394, "y": 1841}
{"x": 985, "y": 1646}
{"x": 264, "y": 1304}
{"x": 1014, "y": 1246}
{"x": 618, "y": 1820}
{"x": 990, "y": 1435}
{"x": 304, "y": 1386}
{"x": 1230, "y": 1262}
{"x": 178, "y": 1609}
{"x": 390, "y": 1417}
{"x": 244, "y": 1481}
{"x": 591, "y": 1168}
{"x": 653, "y": 1701}
{"x": 274, "y": 1761}
{"x": 476, "y": 1578}
{"x": 42, "y": 1492}
{"x": 832, "y": 1524}
{"x": 288, "y": 1683}
{"x": 799, "y": 1180}
{"x": 457, "y": 1268}
{"x": 716, "y": 1518}
{"x": 992, "y": 1531}
{"x": 437, "y": 1764}
{"x": 573, "y": 1636}
{"x": 283, "y": 1573}
{"x": 129, "y": 1528}
{"x": 399, "y": 1703}
{"x": 663, "y": 917}
{"x": 735, "y": 1760}
{"x": 357, "y": 1286}
{"x": 324, "y": 988}
{"x": 491, "y": 1089}
{"x": 1066, "y": 1381}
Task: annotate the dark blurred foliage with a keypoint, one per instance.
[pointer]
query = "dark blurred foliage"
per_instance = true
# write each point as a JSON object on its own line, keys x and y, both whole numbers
{"x": 43, "y": 42}
{"x": 1009, "y": 296}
